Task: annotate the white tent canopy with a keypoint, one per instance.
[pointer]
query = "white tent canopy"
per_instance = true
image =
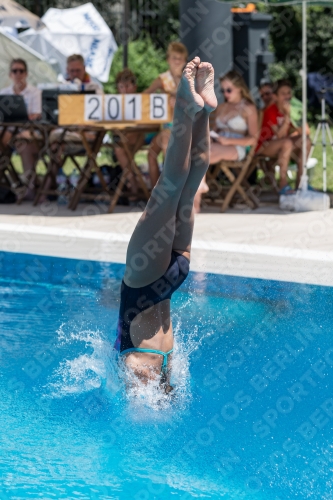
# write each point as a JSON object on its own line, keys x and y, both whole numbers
{"x": 39, "y": 71}
{"x": 13, "y": 15}
{"x": 80, "y": 30}
{"x": 40, "y": 41}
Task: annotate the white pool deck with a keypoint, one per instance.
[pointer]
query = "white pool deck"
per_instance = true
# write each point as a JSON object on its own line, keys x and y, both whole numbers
{"x": 265, "y": 243}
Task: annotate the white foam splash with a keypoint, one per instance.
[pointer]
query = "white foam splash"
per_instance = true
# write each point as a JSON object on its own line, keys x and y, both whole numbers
{"x": 97, "y": 365}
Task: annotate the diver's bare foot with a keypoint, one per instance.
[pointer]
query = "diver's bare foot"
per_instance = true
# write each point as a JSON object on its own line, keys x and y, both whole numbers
{"x": 187, "y": 96}
{"x": 205, "y": 85}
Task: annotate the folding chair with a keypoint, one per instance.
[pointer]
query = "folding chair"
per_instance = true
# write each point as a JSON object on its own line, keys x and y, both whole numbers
{"x": 133, "y": 170}
{"x": 8, "y": 175}
{"x": 53, "y": 160}
{"x": 33, "y": 134}
{"x": 237, "y": 173}
{"x": 9, "y": 178}
{"x": 92, "y": 148}
{"x": 69, "y": 144}
{"x": 267, "y": 167}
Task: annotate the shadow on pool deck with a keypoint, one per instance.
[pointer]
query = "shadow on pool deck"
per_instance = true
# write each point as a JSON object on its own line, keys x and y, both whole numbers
{"x": 269, "y": 205}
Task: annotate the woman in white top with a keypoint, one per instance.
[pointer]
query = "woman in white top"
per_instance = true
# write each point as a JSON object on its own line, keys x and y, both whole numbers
{"x": 235, "y": 121}
{"x": 33, "y": 100}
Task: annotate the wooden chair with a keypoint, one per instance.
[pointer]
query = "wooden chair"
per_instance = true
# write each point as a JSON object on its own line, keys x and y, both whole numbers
{"x": 237, "y": 173}
{"x": 9, "y": 178}
{"x": 33, "y": 134}
{"x": 267, "y": 167}
{"x": 8, "y": 175}
{"x": 133, "y": 169}
{"x": 71, "y": 145}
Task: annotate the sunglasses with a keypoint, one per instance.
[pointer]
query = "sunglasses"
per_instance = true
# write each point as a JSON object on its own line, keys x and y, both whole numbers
{"x": 18, "y": 70}
{"x": 266, "y": 93}
{"x": 226, "y": 91}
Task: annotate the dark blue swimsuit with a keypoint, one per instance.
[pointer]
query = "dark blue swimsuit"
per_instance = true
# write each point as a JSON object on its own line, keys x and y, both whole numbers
{"x": 133, "y": 301}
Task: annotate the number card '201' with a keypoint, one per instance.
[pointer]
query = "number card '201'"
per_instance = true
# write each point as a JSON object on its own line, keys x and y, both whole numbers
{"x": 127, "y": 107}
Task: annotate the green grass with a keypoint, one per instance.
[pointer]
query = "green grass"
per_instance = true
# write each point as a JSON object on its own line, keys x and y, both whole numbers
{"x": 316, "y": 177}
{"x": 316, "y": 174}
{"x": 69, "y": 167}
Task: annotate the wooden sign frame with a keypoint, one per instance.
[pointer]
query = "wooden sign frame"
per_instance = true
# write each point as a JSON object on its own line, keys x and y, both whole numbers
{"x": 72, "y": 109}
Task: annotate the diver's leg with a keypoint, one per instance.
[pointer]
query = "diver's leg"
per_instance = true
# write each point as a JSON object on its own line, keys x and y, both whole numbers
{"x": 149, "y": 249}
{"x": 199, "y": 166}
{"x": 199, "y": 161}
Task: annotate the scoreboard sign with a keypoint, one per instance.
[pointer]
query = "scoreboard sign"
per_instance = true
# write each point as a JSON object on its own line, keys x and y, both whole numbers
{"x": 135, "y": 108}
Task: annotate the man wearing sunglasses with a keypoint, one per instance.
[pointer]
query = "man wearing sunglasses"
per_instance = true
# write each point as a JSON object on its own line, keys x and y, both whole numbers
{"x": 31, "y": 95}
{"x": 33, "y": 100}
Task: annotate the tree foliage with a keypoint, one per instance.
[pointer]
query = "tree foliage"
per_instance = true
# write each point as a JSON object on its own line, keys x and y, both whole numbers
{"x": 286, "y": 41}
{"x": 158, "y": 19}
{"x": 144, "y": 59}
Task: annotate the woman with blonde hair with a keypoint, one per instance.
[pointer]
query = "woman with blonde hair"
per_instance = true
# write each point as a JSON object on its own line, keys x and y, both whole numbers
{"x": 235, "y": 121}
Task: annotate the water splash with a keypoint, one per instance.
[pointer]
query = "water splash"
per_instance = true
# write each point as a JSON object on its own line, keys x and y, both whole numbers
{"x": 92, "y": 363}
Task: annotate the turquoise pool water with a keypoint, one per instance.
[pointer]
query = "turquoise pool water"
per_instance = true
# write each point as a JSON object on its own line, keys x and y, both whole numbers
{"x": 252, "y": 414}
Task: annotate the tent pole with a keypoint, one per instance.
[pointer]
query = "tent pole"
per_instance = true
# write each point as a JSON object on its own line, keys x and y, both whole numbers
{"x": 125, "y": 34}
{"x": 304, "y": 183}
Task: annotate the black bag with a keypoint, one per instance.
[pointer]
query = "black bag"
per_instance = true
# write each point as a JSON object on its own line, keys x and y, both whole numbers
{"x": 7, "y": 196}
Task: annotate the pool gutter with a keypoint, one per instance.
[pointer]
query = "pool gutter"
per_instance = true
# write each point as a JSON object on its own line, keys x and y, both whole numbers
{"x": 296, "y": 247}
